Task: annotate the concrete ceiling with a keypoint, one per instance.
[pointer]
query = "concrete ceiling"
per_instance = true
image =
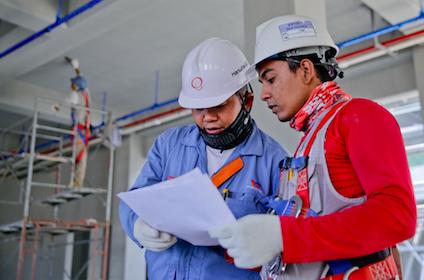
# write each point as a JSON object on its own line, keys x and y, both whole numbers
{"x": 122, "y": 43}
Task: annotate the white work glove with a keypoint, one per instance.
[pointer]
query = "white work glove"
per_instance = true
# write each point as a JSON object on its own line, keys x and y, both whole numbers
{"x": 252, "y": 241}
{"x": 152, "y": 239}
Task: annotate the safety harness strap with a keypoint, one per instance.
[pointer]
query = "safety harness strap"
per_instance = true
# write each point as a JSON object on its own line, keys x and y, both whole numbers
{"x": 384, "y": 270}
{"x": 83, "y": 134}
{"x": 227, "y": 172}
{"x": 79, "y": 156}
{"x": 83, "y": 129}
{"x": 302, "y": 179}
{"x": 87, "y": 117}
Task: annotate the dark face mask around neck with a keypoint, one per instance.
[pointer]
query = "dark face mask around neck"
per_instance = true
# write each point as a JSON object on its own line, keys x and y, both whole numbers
{"x": 233, "y": 135}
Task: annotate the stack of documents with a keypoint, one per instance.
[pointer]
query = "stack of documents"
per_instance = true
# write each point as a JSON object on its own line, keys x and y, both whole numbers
{"x": 186, "y": 206}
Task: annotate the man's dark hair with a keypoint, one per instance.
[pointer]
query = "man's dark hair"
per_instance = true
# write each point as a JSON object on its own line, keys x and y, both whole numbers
{"x": 322, "y": 72}
{"x": 325, "y": 71}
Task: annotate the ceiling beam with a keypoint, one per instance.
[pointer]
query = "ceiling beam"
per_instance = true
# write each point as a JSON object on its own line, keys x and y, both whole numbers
{"x": 32, "y": 15}
{"x": 395, "y": 11}
{"x": 93, "y": 24}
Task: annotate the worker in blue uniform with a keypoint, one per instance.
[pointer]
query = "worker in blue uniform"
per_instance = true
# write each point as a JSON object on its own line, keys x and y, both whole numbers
{"x": 225, "y": 143}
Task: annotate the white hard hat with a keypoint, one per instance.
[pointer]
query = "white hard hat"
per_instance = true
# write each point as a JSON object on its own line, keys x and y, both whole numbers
{"x": 213, "y": 71}
{"x": 291, "y": 32}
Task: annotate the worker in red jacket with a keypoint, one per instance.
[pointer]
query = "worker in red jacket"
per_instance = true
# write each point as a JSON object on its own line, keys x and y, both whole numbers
{"x": 346, "y": 197}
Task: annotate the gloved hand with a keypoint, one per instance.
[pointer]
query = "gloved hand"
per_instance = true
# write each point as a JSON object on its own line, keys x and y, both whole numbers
{"x": 152, "y": 239}
{"x": 252, "y": 241}
{"x": 80, "y": 82}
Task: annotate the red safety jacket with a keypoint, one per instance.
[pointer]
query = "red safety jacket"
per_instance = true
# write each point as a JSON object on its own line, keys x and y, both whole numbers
{"x": 365, "y": 157}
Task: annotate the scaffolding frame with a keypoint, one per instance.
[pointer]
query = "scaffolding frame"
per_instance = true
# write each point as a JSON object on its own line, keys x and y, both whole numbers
{"x": 36, "y": 227}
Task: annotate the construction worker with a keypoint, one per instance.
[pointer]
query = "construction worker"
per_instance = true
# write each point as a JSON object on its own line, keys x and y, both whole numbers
{"x": 226, "y": 144}
{"x": 346, "y": 196}
{"x": 80, "y": 117}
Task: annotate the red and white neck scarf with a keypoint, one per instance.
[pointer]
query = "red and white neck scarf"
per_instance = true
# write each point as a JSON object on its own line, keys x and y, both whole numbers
{"x": 322, "y": 97}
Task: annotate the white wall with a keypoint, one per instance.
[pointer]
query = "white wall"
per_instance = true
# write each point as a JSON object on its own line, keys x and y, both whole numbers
{"x": 135, "y": 266}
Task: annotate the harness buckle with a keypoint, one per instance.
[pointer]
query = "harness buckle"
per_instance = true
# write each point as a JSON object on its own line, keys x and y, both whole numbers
{"x": 297, "y": 163}
{"x": 275, "y": 268}
{"x": 297, "y": 201}
{"x": 349, "y": 272}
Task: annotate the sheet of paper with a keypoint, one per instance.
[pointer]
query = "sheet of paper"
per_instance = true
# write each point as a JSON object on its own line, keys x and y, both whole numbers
{"x": 186, "y": 206}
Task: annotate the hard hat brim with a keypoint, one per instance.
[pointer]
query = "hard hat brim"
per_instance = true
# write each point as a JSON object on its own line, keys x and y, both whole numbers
{"x": 202, "y": 103}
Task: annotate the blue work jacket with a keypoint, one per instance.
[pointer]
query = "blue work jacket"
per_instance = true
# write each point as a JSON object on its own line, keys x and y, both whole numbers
{"x": 176, "y": 152}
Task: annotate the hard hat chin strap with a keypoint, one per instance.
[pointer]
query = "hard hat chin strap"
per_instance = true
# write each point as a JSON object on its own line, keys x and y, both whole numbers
{"x": 333, "y": 68}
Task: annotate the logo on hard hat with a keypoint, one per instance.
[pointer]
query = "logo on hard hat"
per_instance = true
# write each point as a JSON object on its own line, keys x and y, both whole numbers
{"x": 297, "y": 29}
{"x": 197, "y": 83}
{"x": 237, "y": 71}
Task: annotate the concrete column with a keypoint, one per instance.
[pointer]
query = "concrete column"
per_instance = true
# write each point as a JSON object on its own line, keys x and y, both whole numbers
{"x": 256, "y": 12}
{"x": 69, "y": 250}
{"x": 120, "y": 184}
{"x": 135, "y": 265}
{"x": 126, "y": 259}
{"x": 313, "y": 9}
{"x": 32, "y": 15}
{"x": 418, "y": 60}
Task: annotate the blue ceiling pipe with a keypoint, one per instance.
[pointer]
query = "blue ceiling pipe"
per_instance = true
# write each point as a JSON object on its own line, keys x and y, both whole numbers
{"x": 59, "y": 21}
{"x": 148, "y": 109}
{"x": 379, "y": 32}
